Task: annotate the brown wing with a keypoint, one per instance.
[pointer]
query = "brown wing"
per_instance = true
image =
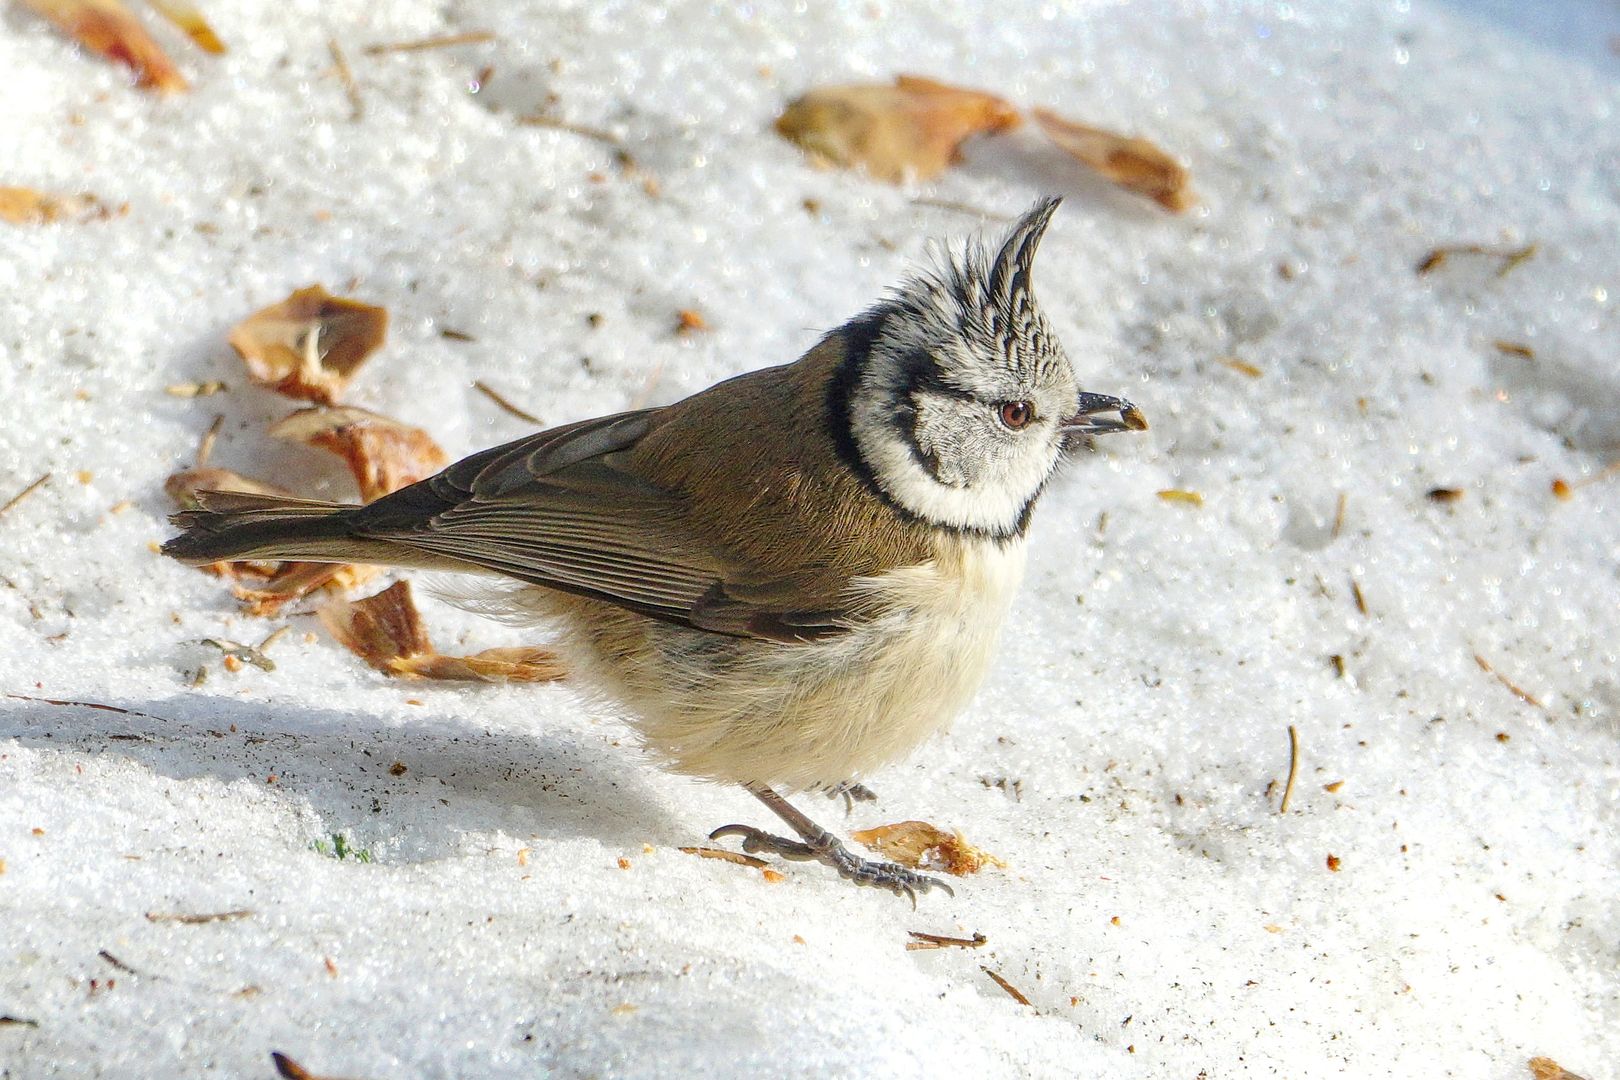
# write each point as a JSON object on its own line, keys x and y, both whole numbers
{"x": 569, "y": 509}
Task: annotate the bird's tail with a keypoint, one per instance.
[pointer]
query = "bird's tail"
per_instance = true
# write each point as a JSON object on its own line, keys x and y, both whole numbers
{"x": 233, "y": 525}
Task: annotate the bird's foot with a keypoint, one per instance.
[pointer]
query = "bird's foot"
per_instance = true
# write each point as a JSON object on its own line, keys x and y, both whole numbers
{"x": 828, "y": 849}
{"x": 852, "y": 793}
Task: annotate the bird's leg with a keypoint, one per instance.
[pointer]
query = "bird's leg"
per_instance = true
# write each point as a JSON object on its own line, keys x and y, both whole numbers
{"x": 818, "y": 844}
{"x": 852, "y": 793}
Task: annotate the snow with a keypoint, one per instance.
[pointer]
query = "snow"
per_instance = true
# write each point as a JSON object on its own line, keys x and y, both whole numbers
{"x": 1126, "y": 754}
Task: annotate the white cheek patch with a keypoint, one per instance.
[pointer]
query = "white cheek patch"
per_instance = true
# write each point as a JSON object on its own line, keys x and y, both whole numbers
{"x": 995, "y": 505}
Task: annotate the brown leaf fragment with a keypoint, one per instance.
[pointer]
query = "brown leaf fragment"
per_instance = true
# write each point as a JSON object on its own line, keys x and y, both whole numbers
{"x": 290, "y": 581}
{"x": 909, "y": 131}
{"x": 26, "y": 206}
{"x": 1561, "y": 489}
{"x": 380, "y": 629}
{"x": 386, "y": 632}
{"x": 107, "y": 27}
{"x": 383, "y": 454}
{"x": 309, "y": 345}
{"x": 919, "y": 845}
{"x": 1444, "y": 494}
{"x": 1133, "y": 163}
{"x": 519, "y": 664}
{"x": 1514, "y": 348}
{"x": 1543, "y": 1068}
{"x": 188, "y": 18}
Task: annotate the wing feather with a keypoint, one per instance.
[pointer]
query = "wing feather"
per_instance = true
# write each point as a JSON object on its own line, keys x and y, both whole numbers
{"x": 566, "y": 509}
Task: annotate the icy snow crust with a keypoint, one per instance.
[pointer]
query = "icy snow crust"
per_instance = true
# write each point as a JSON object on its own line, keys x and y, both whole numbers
{"x": 1125, "y": 756}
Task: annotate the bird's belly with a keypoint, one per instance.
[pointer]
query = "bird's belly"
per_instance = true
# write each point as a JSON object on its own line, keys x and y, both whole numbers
{"x": 818, "y": 713}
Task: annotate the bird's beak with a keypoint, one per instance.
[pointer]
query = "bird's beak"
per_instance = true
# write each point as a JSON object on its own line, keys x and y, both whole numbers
{"x": 1099, "y": 414}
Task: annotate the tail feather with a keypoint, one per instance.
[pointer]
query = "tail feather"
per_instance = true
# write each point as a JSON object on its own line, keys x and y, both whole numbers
{"x": 234, "y": 525}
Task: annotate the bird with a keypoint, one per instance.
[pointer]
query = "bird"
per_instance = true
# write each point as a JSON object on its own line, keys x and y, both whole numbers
{"x": 786, "y": 580}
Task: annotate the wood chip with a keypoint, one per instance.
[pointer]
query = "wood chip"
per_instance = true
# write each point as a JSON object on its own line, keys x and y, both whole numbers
{"x": 345, "y": 74}
{"x": 386, "y": 632}
{"x": 309, "y": 345}
{"x": 1563, "y": 489}
{"x": 26, "y": 206}
{"x": 506, "y": 405}
{"x": 1356, "y": 595}
{"x": 1133, "y": 163}
{"x": 1334, "y": 863}
{"x": 12, "y": 502}
{"x": 1512, "y": 687}
{"x": 1012, "y": 991}
{"x": 912, "y": 130}
{"x": 198, "y": 920}
{"x": 195, "y": 389}
{"x": 1242, "y": 367}
{"x": 444, "y": 41}
{"x": 1444, "y": 494}
{"x": 108, "y": 28}
{"x": 688, "y": 321}
{"x": 937, "y": 941}
{"x": 1176, "y": 495}
{"x": 545, "y": 120}
{"x": 919, "y": 845}
{"x": 1293, "y": 769}
{"x": 1514, "y": 348}
{"x": 383, "y": 454}
{"x": 188, "y": 18}
{"x": 1510, "y": 257}
{"x": 726, "y": 856}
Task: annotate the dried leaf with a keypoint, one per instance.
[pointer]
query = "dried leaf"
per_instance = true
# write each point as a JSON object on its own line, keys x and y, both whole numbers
{"x": 383, "y": 454}
{"x": 188, "y": 18}
{"x": 1133, "y": 163}
{"x": 183, "y": 486}
{"x": 518, "y": 664}
{"x": 108, "y": 28}
{"x": 909, "y": 131}
{"x": 1543, "y": 1068}
{"x": 920, "y": 845}
{"x": 290, "y": 581}
{"x": 310, "y": 345}
{"x": 25, "y": 206}
{"x": 386, "y": 632}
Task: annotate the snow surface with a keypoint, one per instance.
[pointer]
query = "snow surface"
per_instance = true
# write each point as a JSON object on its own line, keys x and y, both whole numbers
{"x": 1125, "y": 754}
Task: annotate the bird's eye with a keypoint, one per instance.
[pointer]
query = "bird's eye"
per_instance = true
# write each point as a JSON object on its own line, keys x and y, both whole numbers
{"x": 1017, "y": 414}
